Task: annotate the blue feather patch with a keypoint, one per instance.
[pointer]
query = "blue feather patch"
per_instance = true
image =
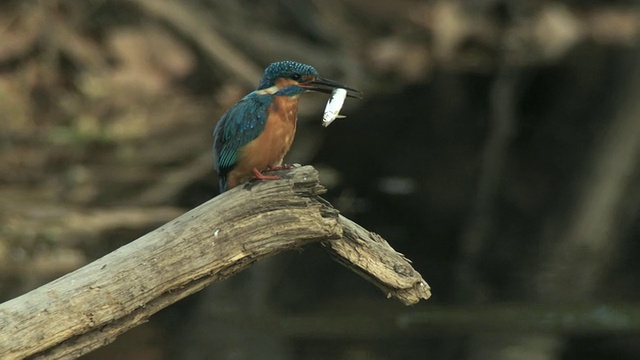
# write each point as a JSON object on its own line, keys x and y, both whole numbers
{"x": 241, "y": 124}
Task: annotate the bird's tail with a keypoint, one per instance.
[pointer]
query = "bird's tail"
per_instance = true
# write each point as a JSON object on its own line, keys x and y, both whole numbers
{"x": 222, "y": 181}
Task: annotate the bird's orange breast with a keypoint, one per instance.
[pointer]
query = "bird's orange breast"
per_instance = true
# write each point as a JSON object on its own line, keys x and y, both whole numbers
{"x": 270, "y": 147}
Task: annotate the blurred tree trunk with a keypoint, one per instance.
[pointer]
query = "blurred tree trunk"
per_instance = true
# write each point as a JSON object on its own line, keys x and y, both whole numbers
{"x": 578, "y": 249}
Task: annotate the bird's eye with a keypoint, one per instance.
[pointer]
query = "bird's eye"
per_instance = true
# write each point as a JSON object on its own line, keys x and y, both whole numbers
{"x": 295, "y": 77}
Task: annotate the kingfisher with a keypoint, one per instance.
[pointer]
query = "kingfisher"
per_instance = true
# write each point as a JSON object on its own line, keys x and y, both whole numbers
{"x": 255, "y": 134}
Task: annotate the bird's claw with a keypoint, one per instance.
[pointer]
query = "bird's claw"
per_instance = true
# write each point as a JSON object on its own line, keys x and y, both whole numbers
{"x": 260, "y": 176}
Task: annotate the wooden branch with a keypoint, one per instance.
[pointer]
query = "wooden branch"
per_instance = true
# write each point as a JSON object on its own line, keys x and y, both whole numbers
{"x": 91, "y": 306}
{"x": 369, "y": 255}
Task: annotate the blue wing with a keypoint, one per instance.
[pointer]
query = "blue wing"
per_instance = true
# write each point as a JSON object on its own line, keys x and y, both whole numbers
{"x": 242, "y": 123}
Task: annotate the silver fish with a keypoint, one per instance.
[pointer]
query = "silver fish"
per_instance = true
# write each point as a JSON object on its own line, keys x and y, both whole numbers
{"x": 332, "y": 110}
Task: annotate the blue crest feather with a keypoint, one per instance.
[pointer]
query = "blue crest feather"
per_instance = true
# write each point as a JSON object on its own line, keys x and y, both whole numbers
{"x": 284, "y": 69}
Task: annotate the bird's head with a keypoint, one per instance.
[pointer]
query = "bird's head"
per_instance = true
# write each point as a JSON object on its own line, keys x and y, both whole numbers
{"x": 292, "y": 78}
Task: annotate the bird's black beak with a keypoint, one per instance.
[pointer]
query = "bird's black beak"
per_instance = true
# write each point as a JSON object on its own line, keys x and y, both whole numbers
{"x": 326, "y": 86}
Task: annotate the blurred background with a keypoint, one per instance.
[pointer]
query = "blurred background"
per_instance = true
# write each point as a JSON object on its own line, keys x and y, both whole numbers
{"x": 497, "y": 147}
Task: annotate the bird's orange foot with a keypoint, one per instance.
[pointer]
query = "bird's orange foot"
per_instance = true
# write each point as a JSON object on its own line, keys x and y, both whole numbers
{"x": 279, "y": 167}
{"x": 261, "y": 176}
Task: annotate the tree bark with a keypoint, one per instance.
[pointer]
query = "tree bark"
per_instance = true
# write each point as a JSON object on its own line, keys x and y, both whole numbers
{"x": 90, "y": 307}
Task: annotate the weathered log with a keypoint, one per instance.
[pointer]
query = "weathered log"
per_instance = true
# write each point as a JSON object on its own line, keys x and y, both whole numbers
{"x": 90, "y": 307}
